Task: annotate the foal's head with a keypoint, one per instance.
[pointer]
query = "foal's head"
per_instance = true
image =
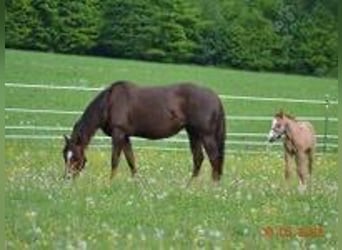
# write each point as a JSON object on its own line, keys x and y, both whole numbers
{"x": 74, "y": 158}
{"x": 279, "y": 126}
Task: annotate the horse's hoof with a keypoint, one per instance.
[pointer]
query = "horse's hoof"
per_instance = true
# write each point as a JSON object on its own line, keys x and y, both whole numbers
{"x": 302, "y": 189}
{"x": 216, "y": 183}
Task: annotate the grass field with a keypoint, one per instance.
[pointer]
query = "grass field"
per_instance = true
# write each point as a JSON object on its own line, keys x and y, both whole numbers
{"x": 155, "y": 211}
{"x": 28, "y": 67}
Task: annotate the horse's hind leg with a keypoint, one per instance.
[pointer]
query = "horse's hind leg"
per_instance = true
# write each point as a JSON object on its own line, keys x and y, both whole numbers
{"x": 213, "y": 153}
{"x": 127, "y": 148}
{"x": 197, "y": 154}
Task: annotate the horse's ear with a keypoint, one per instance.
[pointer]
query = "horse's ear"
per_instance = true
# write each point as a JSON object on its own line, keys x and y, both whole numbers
{"x": 66, "y": 139}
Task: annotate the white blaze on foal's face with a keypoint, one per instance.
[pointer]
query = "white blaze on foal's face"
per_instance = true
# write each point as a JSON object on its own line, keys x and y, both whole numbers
{"x": 272, "y": 135}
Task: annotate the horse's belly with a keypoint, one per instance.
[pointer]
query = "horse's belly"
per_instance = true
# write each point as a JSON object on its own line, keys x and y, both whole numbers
{"x": 158, "y": 129}
{"x": 158, "y": 125}
{"x": 158, "y": 133}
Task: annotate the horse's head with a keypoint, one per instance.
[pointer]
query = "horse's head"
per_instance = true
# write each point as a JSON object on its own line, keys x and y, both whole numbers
{"x": 74, "y": 158}
{"x": 278, "y": 128}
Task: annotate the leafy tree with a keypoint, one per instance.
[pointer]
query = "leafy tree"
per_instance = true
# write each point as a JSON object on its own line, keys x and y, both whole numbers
{"x": 42, "y": 35}
{"x": 77, "y": 25}
{"x": 126, "y": 28}
{"x": 212, "y": 35}
{"x": 276, "y": 35}
{"x": 175, "y": 30}
{"x": 18, "y": 22}
{"x": 316, "y": 43}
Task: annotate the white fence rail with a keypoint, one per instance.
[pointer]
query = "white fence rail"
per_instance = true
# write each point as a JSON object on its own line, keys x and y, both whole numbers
{"x": 68, "y": 129}
{"x": 231, "y": 117}
{"x": 169, "y": 140}
{"x": 223, "y": 97}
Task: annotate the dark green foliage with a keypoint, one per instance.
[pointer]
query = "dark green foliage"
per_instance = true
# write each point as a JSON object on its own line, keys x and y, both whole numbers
{"x": 126, "y": 28}
{"x": 77, "y": 26}
{"x": 19, "y": 22}
{"x": 52, "y": 25}
{"x": 42, "y": 36}
{"x": 273, "y": 35}
{"x": 146, "y": 30}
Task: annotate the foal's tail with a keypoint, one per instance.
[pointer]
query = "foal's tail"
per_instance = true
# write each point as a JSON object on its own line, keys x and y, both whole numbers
{"x": 220, "y": 135}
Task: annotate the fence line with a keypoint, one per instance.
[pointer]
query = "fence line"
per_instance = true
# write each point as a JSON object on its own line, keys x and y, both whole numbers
{"x": 172, "y": 140}
{"x": 273, "y": 99}
{"x": 68, "y": 129}
{"x": 223, "y": 97}
{"x": 325, "y": 102}
{"x": 55, "y": 87}
{"x": 46, "y": 111}
{"x": 230, "y": 117}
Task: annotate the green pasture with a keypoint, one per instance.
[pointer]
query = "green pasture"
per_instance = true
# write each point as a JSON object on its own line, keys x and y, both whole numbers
{"x": 52, "y": 69}
{"x": 155, "y": 210}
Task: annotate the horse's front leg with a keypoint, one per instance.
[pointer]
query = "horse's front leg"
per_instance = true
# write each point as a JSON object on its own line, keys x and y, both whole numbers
{"x": 127, "y": 148}
{"x": 117, "y": 145}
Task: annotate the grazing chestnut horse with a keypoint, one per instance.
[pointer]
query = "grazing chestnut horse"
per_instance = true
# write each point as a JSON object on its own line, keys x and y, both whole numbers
{"x": 123, "y": 110}
{"x": 299, "y": 142}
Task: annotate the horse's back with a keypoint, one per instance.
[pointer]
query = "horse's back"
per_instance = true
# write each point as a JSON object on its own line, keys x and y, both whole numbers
{"x": 172, "y": 107}
{"x": 307, "y": 126}
{"x": 187, "y": 95}
{"x": 201, "y": 103}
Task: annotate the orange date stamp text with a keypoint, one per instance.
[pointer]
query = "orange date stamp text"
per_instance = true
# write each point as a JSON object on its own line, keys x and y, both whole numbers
{"x": 293, "y": 231}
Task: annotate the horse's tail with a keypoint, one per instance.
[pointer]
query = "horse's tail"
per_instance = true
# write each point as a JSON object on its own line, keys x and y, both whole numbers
{"x": 220, "y": 135}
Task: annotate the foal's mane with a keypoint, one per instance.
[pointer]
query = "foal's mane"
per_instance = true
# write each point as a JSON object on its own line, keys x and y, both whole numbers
{"x": 281, "y": 114}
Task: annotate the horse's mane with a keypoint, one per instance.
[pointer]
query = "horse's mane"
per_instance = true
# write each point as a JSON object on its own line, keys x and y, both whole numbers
{"x": 121, "y": 83}
{"x": 87, "y": 124}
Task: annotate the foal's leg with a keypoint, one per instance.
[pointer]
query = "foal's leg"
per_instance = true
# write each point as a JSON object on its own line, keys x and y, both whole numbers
{"x": 211, "y": 148}
{"x": 197, "y": 155}
{"x": 301, "y": 170}
{"x": 310, "y": 161}
{"x": 127, "y": 148}
{"x": 287, "y": 170}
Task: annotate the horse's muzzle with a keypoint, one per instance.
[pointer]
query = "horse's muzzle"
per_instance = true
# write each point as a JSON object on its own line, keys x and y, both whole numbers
{"x": 69, "y": 173}
{"x": 67, "y": 176}
{"x": 271, "y": 139}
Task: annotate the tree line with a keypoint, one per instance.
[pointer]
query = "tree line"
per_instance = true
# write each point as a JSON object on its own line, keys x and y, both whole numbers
{"x": 295, "y": 36}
